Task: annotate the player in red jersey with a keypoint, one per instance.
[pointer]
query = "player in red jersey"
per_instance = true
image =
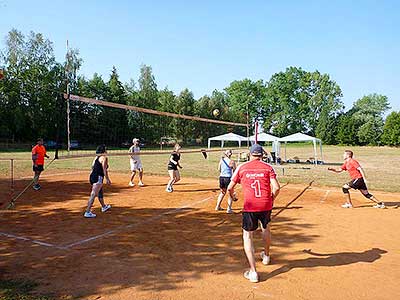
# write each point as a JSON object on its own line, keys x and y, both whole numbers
{"x": 38, "y": 155}
{"x": 260, "y": 189}
{"x": 357, "y": 182}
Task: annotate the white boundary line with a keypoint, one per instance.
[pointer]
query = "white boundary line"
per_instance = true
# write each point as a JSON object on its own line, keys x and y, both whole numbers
{"x": 107, "y": 233}
{"x": 21, "y": 238}
{"x": 325, "y": 196}
{"x": 119, "y": 229}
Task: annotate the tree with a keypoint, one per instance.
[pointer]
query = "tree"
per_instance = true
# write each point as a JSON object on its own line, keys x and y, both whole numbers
{"x": 296, "y": 100}
{"x": 147, "y": 96}
{"x": 369, "y": 112}
{"x": 185, "y": 105}
{"x": 391, "y": 130}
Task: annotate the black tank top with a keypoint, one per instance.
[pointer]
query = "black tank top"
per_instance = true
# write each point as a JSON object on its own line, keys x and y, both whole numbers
{"x": 97, "y": 168}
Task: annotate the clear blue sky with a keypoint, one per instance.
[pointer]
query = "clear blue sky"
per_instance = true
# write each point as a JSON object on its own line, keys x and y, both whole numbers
{"x": 204, "y": 45}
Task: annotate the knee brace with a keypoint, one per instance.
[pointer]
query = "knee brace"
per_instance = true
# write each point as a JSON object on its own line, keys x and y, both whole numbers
{"x": 345, "y": 191}
{"x": 368, "y": 195}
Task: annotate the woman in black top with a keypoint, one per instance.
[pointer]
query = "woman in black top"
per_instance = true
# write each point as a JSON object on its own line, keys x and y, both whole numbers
{"x": 99, "y": 171}
{"x": 173, "y": 165}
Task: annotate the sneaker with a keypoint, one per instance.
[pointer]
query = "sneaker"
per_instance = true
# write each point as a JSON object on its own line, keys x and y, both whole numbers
{"x": 89, "y": 215}
{"x": 105, "y": 208}
{"x": 168, "y": 189}
{"x": 266, "y": 259}
{"x": 141, "y": 184}
{"x": 219, "y": 208}
{"x": 229, "y": 211}
{"x": 36, "y": 187}
{"x": 251, "y": 275}
{"x": 131, "y": 183}
{"x": 347, "y": 205}
{"x": 380, "y": 205}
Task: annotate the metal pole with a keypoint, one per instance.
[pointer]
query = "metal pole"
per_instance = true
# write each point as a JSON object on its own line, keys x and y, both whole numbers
{"x": 68, "y": 92}
{"x": 12, "y": 176}
{"x": 248, "y": 129}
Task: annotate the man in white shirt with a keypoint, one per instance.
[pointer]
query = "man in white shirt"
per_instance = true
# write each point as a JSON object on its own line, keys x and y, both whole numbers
{"x": 135, "y": 162}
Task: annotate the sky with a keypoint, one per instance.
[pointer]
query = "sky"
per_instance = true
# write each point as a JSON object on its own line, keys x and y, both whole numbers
{"x": 205, "y": 45}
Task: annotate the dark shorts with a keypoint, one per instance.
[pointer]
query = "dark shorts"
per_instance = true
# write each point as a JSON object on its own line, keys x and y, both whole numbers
{"x": 224, "y": 182}
{"x": 172, "y": 167}
{"x": 250, "y": 219}
{"x": 38, "y": 168}
{"x": 93, "y": 178}
{"x": 358, "y": 184}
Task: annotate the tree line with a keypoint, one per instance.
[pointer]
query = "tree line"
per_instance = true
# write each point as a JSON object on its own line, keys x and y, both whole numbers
{"x": 293, "y": 100}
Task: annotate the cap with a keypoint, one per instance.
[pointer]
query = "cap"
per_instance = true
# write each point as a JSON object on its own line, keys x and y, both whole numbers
{"x": 256, "y": 150}
{"x": 228, "y": 152}
{"x": 101, "y": 149}
{"x": 135, "y": 140}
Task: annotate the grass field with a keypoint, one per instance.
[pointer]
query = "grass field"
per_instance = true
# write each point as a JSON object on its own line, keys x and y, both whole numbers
{"x": 381, "y": 165}
{"x": 155, "y": 245}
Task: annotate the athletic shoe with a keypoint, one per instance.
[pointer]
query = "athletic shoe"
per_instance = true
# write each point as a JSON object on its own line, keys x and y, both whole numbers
{"x": 131, "y": 183}
{"x": 105, "y": 208}
{"x": 219, "y": 208}
{"x": 229, "y": 211}
{"x": 347, "y": 205}
{"x": 141, "y": 184}
{"x": 251, "y": 275}
{"x": 169, "y": 189}
{"x": 266, "y": 259}
{"x": 36, "y": 187}
{"x": 380, "y": 205}
{"x": 89, "y": 215}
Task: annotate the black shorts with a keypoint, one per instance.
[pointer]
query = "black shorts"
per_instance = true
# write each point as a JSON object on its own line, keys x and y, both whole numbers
{"x": 38, "y": 168}
{"x": 224, "y": 182}
{"x": 358, "y": 184}
{"x": 94, "y": 178}
{"x": 172, "y": 167}
{"x": 250, "y": 219}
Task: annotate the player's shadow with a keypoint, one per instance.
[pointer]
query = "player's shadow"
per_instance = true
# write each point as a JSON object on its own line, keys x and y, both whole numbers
{"x": 328, "y": 260}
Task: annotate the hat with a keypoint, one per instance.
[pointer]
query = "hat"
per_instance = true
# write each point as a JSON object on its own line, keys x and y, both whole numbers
{"x": 101, "y": 149}
{"x": 228, "y": 152}
{"x": 135, "y": 140}
{"x": 256, "y": 150}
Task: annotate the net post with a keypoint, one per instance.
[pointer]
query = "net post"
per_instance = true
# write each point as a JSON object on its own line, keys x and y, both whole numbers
{"x": 12, "y": 176}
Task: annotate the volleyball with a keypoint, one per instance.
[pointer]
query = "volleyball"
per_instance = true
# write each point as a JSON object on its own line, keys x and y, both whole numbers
{"x": 215, "y": 112}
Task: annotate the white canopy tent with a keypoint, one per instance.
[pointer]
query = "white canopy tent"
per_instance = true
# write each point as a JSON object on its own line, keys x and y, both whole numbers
{"x": 301, "y": 137}
{"x": 232, "y": 137}
{"x": 264, "y": 137}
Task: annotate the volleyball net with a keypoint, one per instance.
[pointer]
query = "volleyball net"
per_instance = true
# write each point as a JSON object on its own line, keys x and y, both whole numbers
{"x": 92, "y": 122}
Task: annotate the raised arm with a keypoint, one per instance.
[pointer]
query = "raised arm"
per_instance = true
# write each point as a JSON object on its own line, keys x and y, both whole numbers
{"x": 336, "y": 170}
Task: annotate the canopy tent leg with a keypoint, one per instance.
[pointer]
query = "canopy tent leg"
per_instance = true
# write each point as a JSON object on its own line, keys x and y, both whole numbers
{"x": 315, "y": 152}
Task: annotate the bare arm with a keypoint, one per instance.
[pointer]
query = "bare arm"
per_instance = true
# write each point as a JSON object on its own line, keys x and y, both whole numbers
{"x": 231, "y": 189}
{"x": 275, "y": 188}
{"x": 104, "y": 162}
{"x": 363, "y": 174}
{"x": 335, "y": 170}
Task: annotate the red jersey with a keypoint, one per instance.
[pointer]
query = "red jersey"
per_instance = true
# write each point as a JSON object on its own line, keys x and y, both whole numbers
{"x": 40, "y": 152}
{"x": 255, "y": 176}
{"x": 351, "y": 165}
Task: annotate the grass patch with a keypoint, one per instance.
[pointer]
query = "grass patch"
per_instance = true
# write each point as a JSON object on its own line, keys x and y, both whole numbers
{"x": 20, "y": 290}
{"x": 381, "y": 165}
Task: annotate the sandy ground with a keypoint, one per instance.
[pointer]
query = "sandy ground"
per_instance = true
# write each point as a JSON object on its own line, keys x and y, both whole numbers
{"x": 156, "y": 245}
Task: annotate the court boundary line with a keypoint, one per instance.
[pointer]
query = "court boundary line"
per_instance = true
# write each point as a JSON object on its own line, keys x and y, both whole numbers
{"x": 33, "y": 241}
{"x": 70, "y": 245}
